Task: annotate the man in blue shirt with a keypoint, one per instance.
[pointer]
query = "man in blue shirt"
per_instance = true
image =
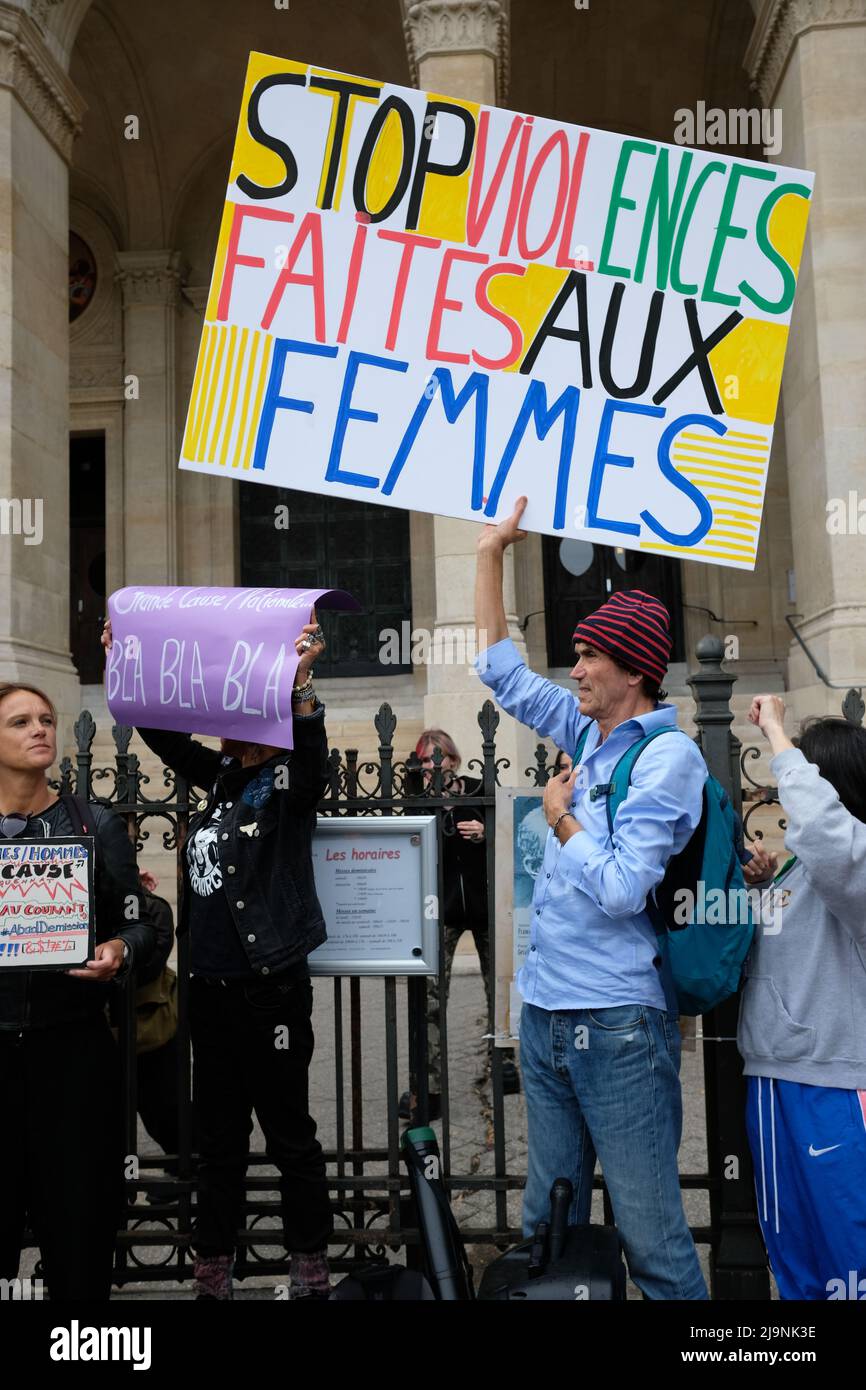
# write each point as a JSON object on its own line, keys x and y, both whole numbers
{"x": 599, "y": 1049}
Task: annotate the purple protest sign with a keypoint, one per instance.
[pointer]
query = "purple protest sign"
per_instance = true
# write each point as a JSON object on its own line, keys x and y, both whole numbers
{"x": 210, "y": 661}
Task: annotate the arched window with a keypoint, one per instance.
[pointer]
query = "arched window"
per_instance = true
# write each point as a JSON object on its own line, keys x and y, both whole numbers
{"x": 338, "y": 543}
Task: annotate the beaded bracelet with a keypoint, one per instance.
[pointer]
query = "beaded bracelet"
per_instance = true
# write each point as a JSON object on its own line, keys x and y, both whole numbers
{"x": 301, "y": 693}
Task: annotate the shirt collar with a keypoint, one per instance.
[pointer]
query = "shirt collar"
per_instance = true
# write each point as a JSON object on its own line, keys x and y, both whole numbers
{"x": 663, "y": 716}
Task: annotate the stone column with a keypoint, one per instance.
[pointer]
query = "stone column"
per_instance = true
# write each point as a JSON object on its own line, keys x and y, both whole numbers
{"x": 40, "y": 115}
{"x": 808, "y": 58}
{"x": 459, "y": 48}
{"x": 150, "y": 281}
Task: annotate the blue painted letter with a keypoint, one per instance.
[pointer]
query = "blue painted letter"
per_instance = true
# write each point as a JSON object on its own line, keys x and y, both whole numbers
{"x": 346, "y": 412}
{"x": 273, "y": 400}
{"x": 452, "y": 404}
{"x": 603, "y": 459}
{"x": 535, "y": 408}
{"x": 684, "y": 484}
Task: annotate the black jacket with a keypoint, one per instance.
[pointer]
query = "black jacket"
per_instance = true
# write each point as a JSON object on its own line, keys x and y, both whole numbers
{"x": 163, "y": 924}
{"x": 45, "y": 998}
{"x": 265, "y": 851}
{"x": 464, "y": 864}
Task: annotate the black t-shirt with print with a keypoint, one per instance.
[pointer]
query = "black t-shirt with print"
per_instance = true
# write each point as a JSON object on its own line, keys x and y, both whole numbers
{"x": 215, "y": 944}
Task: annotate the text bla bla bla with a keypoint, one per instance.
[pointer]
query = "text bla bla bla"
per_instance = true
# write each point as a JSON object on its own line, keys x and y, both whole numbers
{"x": 182, "y": 681}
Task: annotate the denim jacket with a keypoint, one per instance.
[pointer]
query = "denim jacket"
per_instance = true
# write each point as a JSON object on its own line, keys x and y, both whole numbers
{"x": 265, "y": 840}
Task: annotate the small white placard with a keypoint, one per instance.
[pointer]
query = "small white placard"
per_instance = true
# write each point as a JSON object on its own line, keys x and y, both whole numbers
{"x": 46, "y": 903}
{"x": 376, "y": 877}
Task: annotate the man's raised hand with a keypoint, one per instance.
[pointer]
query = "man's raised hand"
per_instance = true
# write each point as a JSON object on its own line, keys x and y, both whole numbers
{"x": 502, "y": 536}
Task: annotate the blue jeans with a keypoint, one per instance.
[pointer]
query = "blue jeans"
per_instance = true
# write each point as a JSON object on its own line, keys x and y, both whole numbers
{"x": 605, "y": 1082}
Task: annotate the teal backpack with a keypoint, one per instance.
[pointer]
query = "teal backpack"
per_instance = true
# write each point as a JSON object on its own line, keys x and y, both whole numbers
{"x": 705, "y": 957}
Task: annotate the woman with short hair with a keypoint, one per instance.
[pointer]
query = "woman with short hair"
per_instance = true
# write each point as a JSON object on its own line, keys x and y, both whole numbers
{"x": 61, "y": 1156}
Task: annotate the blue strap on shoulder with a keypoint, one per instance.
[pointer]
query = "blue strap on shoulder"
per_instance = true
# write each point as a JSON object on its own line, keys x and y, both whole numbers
{"x": 581, "y": 743}
{"x": 617, "y": 789}
{"x": 621, "y": 778}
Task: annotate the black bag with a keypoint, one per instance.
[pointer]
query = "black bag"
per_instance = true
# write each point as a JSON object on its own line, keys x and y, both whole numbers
{"x": 383, "y": 1284}
{"x": 561, "y": 1263}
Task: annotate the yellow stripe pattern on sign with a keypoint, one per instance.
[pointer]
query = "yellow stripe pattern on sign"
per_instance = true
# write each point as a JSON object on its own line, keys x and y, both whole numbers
{"x": 227, "y": 393}
{"x": 730, "y": 471}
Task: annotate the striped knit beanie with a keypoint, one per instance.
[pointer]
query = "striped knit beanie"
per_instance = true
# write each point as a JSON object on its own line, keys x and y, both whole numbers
{"x": 633, "y": 627}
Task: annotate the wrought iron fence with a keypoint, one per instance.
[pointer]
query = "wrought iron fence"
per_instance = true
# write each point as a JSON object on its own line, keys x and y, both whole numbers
{"x": 367, "y": 1185}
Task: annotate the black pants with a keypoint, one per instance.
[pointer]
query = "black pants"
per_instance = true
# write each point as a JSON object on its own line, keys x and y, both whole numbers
{"x": 61, "y": 1154}
{"x": 157, "y": 1095}
{"x": 252, "y": 1045}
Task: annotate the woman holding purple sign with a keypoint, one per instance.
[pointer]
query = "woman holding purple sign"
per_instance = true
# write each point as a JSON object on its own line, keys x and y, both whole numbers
{"x": 249, "y": 902}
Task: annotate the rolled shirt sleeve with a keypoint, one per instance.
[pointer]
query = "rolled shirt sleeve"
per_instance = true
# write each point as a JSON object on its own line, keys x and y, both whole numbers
{"x": 533, "y": 700}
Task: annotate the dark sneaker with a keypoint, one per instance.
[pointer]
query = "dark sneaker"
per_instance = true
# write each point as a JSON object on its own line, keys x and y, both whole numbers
{"x": 309, "y": 1277}
{"x": 213, "y": 1277}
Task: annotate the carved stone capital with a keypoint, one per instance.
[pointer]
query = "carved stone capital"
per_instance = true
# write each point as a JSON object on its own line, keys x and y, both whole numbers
{"x": 28, "y": 69}
{"x": 458, "y": 26}
{"x": 150, "y": 277}
{"x": 780, "y": 24}
{"x": 41, "y": 9}
{"x": 197, "y": 296}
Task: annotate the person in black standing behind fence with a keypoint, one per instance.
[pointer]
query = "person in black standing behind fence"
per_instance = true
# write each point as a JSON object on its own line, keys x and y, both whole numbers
{"x": 465, "y": 906}
{"x": 157, "y": 1058}
{"x": 61, "y": 1136}
{"x": 249, "y": 903}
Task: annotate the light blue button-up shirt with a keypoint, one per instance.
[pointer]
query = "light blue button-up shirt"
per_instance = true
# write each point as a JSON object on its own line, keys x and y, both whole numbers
{"x": 592, "y": 944}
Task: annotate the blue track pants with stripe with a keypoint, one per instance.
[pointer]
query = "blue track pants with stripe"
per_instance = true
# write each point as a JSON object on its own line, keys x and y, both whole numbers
{"x": 809, "y": 1151}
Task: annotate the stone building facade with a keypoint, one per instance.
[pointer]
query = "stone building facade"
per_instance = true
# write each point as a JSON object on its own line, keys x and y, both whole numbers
{"x": 117, "y": 123}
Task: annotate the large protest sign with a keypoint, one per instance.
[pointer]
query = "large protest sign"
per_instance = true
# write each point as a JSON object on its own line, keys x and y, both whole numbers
{"x": 46, "y": 903}
{"x": 210, "y": 661}
{"x": 439, "y": 305}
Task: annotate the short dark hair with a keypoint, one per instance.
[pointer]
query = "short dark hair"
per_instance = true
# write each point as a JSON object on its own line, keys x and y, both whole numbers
{"x": 838, "y": 750}
{"x": 649, "y": 687}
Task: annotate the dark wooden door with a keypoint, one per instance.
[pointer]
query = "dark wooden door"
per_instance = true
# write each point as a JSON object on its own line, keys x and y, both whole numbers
{"x": 580, "y": 576}
{"x": 333, "y": 542}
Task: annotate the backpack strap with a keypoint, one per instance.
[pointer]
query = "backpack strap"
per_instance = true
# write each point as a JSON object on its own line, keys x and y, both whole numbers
{"x": 78, "y": 812}
{"x": 83, "y": 821}
{"x": 621, "y": 778}
{"x": 619, "y": 785}
{"x": 581, "y": 743}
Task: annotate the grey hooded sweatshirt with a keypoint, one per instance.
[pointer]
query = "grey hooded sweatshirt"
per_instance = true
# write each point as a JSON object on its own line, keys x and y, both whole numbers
{"x": 803, "y": 1009}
